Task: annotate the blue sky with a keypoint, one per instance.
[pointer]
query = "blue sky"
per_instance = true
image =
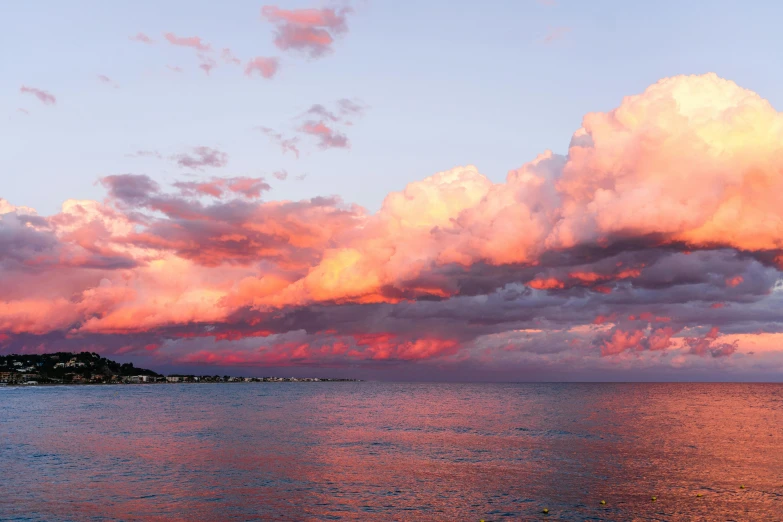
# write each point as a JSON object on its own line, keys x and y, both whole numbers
{"x": 445, "y": 83}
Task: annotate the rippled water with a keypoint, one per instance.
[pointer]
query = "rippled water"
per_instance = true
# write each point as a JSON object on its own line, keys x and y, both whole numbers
{"x": 375, "y": 451}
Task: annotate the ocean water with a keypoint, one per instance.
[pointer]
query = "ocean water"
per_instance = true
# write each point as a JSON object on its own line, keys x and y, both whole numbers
{"x": 383, "y": 451}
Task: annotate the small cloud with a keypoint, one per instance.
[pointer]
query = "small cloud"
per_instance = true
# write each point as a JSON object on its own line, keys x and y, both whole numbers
{"x": 321, "y": 112}
{"x": 202, "y": 157}
{"x": 300, "y": 177}
{"x": 309, "y": 30}
{"x": 141, "y": 37}
{"x": 175, "y": 68}
{"x": 146, "y": 154}
{"x": 45, "y": 97}
{"x": 206, "y": 63}
{"x": 266, "y": 67}
{"x": 24, "y": 111}
{"x": 188, "y": 41}
{"x": 287, "y": 144}
{"x": 229, "y": 57}
{"x": 322, "y": 123}
{"x": 327, "y": 137}
{"x": 350, "y": 107}
{"x": 280, "y": 174}
{"x": 556, "y": 33}
{"x": 105, "y": 79}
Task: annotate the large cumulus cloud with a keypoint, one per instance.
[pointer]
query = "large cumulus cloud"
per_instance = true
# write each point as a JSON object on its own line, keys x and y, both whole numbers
{"x": 656, "y": 240}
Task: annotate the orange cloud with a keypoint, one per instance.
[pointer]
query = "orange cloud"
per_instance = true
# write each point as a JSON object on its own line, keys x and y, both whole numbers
{"x": 734, "y": 281}
{"x": 151, "y": 259}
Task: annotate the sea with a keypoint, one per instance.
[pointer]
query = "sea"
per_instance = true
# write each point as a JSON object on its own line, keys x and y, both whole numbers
{"x": 392, "y": 451}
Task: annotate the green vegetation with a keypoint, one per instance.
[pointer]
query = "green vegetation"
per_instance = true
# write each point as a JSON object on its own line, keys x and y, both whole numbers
{"x": 91, "y": 368}
{"x": 65, "y": 367}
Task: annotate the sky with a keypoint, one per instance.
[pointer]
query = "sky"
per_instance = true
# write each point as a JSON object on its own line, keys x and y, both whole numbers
{"x": 521, "y": 190}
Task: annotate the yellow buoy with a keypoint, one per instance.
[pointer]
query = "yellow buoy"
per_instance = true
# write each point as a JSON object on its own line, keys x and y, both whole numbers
{"x": 698, "y": 494}
{"x": 742, "y": 487}
{"x": 603, "y": 502}
{"x": 545, "y": 511}
{"x": 654, "y": 499}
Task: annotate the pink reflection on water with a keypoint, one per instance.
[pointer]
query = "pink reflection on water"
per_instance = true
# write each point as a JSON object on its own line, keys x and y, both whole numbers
{"x": 369, "y": 451}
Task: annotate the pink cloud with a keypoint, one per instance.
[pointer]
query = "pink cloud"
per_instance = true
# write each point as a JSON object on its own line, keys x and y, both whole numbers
{"x": 206, "y": 64}
{"x": 328, "y": 18}
{"x": 202, "y": 157}
{"x": 309, "y": 30}
{"x": 141, "y": 37}
{"x": 146, "y": 154}
{"x": 45, "y": 97}
{"x": 280, "y": 174}
{"x": 509, "y": 273}
{"x": 229, "y": 57}
{"x": 316, "y": 42}
{"x": 621, "y": 341}
{"x": 188, "y": 41}
{"x": 709, "y": 345}
{"x": 734, "y": 281}
{"x": 266, "y": 67}
{"x": 325, "y": 124}
{"x": 217, "y": 187}
{"x": 327, "y": 136}
{"x": 286, "y": 144}
{"x": 556, "y": 33}
{"x": 174, "y": 68}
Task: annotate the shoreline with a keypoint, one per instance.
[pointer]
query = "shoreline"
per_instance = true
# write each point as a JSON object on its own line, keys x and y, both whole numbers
{"x": 50, "y": 384}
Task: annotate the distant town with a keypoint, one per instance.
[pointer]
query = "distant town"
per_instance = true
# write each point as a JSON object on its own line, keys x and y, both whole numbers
{"x": 91, "y": 368}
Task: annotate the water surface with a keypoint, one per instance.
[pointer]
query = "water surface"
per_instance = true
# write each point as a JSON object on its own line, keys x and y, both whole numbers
{"x": 379, "y": 451}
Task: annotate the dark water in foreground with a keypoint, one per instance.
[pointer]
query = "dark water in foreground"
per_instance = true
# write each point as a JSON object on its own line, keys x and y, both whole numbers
{"x": 367, "y": 451}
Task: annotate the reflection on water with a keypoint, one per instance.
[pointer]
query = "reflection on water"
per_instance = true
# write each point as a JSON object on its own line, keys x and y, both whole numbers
{"x": 373, "y": 451}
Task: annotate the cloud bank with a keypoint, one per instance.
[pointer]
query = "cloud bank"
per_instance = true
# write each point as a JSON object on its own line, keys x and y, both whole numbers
{"x": 654, "y": 245}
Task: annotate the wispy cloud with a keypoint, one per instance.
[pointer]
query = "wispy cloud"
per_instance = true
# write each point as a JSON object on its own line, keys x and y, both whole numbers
{"x": 206, "y": 63}
{"x": 229, "y": 58}
{"x": 556, "y": 33}
{"x": 286, "y": 144}
{"x": 328, "y": 138}
{"x": 105, "y": 79}
{"x": 141, "y": 37}
{"x": 323, "y": 123}
{"x": 193, "y": 42}
{"x": 45, "y": 97}
{"x": 146, "y": 154}
{"x": 201, "y": 157}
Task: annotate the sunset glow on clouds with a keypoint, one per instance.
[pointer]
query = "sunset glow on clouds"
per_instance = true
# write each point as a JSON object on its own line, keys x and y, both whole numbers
{"x": 655, "y": 243}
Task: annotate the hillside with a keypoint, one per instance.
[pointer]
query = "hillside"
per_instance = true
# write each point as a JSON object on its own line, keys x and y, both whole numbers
{"x": 66, "y": 367}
